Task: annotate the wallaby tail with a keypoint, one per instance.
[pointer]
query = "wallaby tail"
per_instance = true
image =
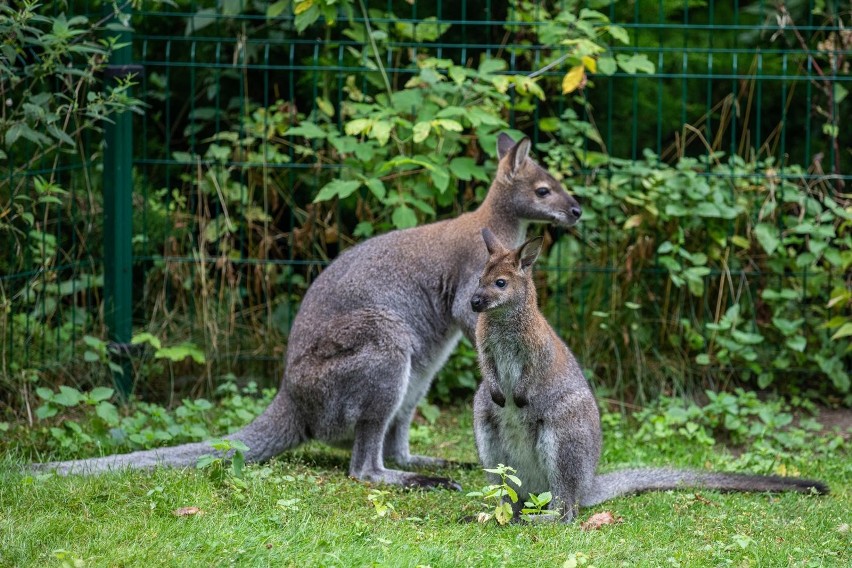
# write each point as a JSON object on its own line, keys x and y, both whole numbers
{"x": 610, "y": 485}
{"x": 277, "y": 429}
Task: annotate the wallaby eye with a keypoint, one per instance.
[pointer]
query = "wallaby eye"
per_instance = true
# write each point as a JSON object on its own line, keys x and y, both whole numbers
{"x": 542, "y": 191}
{"x": 500, "y": 283}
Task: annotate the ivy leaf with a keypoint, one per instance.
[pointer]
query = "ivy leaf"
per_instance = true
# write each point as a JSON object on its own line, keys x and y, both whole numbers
{"x": 572, "y": 79}
{"x": 337, "y": 188}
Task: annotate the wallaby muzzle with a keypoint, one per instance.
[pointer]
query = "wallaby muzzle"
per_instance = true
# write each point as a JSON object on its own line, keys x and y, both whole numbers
{"x": 478, "y": 303}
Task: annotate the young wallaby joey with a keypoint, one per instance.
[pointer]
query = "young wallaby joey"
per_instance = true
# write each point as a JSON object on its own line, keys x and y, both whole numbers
{"x": 375, "y": 327}
{"x": 535, "y": 411}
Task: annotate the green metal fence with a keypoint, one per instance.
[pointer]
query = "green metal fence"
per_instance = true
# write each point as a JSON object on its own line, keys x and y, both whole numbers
{"x": 713, "y": 122}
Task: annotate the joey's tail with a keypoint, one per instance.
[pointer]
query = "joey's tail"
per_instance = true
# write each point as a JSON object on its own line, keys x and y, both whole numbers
{"x": 277, "y": 429}
{"x": 610, "y": 485}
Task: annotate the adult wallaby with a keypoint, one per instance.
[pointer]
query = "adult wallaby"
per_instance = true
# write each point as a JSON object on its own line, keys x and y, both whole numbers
{"x": 534, "y": 409}
{"x": 375, "y": 327}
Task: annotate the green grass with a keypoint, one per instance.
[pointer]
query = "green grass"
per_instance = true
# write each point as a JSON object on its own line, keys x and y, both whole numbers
{"x": 126, "y": 519}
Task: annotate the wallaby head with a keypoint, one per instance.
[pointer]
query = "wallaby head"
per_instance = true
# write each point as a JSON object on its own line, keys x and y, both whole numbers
{"x": 532, "y": 193}
{"x": 507, "y": 276}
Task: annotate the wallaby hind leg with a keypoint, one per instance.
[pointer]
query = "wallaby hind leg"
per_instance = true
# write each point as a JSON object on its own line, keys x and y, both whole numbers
{"x": 396, "y": 445}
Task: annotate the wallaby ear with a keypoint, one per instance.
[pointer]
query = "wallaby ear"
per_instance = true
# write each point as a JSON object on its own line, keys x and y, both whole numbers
{"x": 519, "y": 154}
{"x": 504, "y": 144}
{"x": 492, "y": 243}
{"x": 528, "y": 252}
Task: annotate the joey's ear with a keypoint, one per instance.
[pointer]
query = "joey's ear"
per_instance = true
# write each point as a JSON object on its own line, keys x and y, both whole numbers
{"x": 519, "y": 154}
{"x": 528, "y": 252}
{"x": 492, "y": 243}
{"x": 504, "y": 144}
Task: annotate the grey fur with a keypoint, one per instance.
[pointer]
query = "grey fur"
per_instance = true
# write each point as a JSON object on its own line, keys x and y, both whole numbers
{"x": 535, "y": 411}
{"x": 375, "y": 327}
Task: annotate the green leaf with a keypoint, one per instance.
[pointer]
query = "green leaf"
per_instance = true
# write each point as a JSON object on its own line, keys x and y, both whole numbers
{"x": 46, "y": 411}
{"x": 702, "y": 359}
{"x": 633, "y": 64}
{"x": 91, "y": 357}
{"x": 68, "y": 396}
{"x": 465, "y": 168}
{"x": 307, "y": 130}
{"x": 746, "y": 338}
{"x": 108, "y": 413}
{"x": 99, "y": 394}
{"x": 844, "y": 331}
{"x": 376, "y": 187}
{"x": 618, "y": 34}
{"x": 381, "y": 131}
{"x": 441, "y": 179}
{"x": 145, "y": 337}
{"x": 489, "y": 66}
{"x": 337, "y": 188}
{"x": 503, "y": 513}
{"x": 421, "y": 131}
{"x": 607, "y": 65}
{"x": 797, "y": 343}
{"x": 180, "y": 352}
{"x": 767, "y": 236}
{"x": 448, "y": 124}
{"x": 44, "y": 394}
{"x": 276, "y": 8}
{"x": 403, "y": 217}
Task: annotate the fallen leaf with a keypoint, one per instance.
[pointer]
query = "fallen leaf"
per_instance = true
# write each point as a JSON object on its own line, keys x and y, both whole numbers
{"x": 702, "y": 499}
{"x": 598, "y": 520}
{"x": 187, "y": 511}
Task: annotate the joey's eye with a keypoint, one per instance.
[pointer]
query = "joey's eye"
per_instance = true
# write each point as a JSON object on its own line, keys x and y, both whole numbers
{"x": 542, "y": 191}
{"x": 500, "y": 283}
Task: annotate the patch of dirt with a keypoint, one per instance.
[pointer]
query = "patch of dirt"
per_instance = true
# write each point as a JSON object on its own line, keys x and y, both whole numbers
{"x": 840, "y": 418}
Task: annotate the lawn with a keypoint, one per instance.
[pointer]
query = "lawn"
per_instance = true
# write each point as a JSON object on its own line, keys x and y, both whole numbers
{"x": 302, "y": 510}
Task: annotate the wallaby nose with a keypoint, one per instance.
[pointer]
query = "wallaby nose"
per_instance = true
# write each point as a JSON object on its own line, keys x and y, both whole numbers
{"x": 576, "y": 211}
{"x": 476, "y": 304}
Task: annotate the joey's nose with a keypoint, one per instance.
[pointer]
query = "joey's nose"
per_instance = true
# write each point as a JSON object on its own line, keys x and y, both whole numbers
{"x": 476, "y": 304}
{"x": 576, "y": 211}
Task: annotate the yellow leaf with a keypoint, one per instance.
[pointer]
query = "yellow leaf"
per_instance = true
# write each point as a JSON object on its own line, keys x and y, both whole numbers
{"x": 590, "y": 63}
{"x": 572, "y": 79}
{"x": 633, "y": 221}
{"x": 303, "y": 6}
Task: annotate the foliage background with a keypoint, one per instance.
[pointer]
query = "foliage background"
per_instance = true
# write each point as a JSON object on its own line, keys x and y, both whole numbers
{"x": 704, "y": 141}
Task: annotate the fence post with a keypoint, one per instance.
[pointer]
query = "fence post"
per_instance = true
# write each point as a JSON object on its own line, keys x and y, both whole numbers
{"x": 118, "y": 215}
